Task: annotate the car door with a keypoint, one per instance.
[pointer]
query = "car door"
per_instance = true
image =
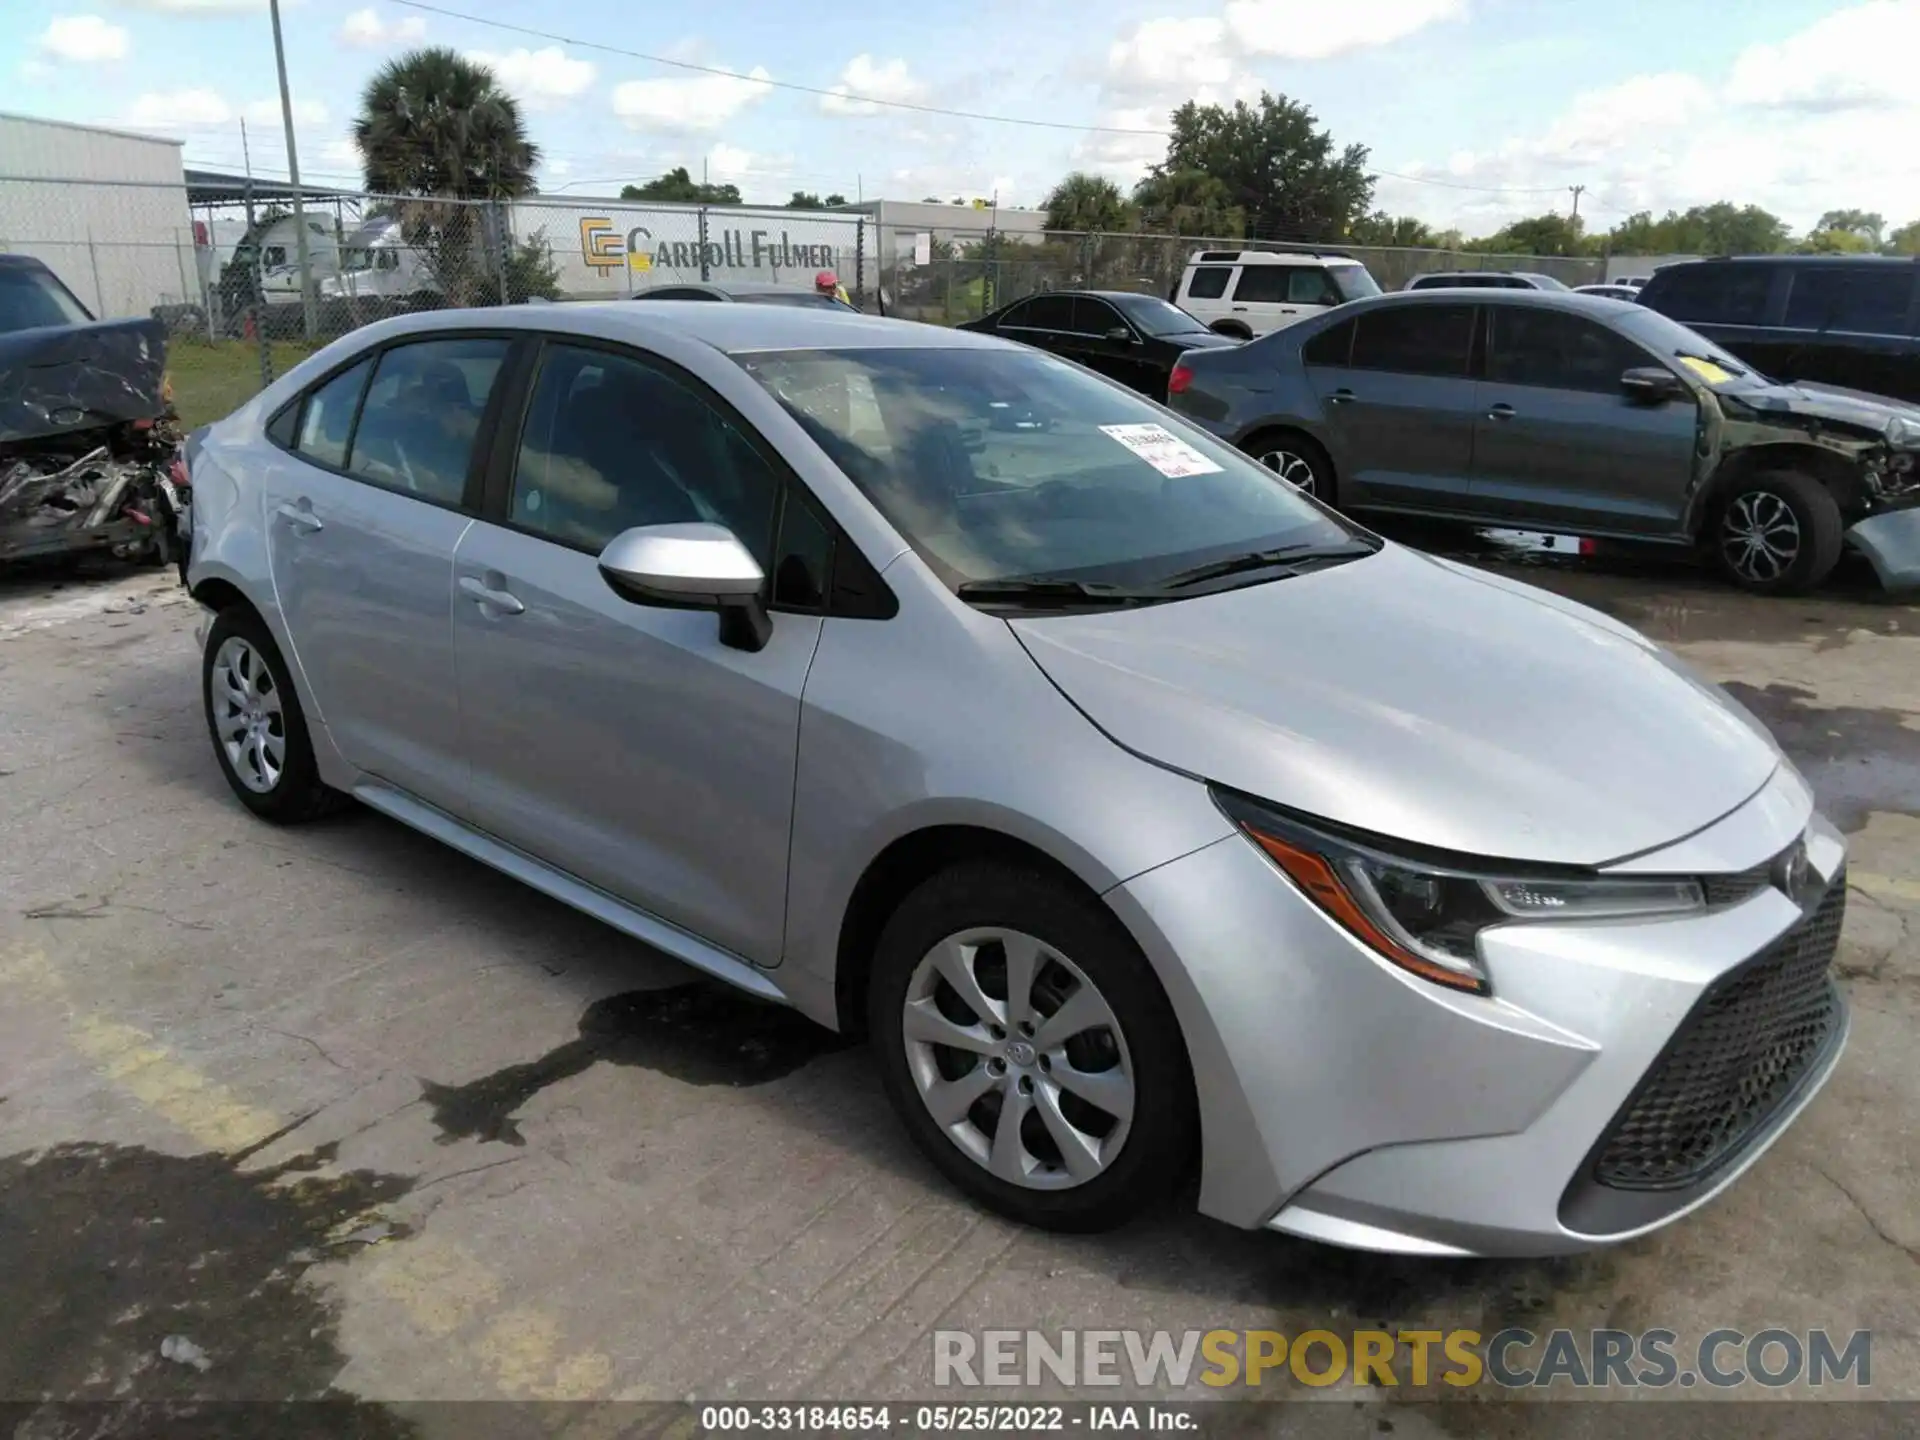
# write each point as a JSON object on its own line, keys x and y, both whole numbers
{"x": 1204, "y": 293}
{"x": 1095, "y": 326}
{"x": 620, "y": 742}
{"x": 362, "y": 517}
{"x": 1046, "y": 323}
{"x": 1852, "y": 324}
{"x": 1271, "y": 297}
{"x": 1560, "y": 442}
{"x": 1399, "y": 404}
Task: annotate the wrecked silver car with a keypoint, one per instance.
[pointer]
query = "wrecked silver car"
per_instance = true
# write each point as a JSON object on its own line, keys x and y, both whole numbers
{"x": 89, "y": 443}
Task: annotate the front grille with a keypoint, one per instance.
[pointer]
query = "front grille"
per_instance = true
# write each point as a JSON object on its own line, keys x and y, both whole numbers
{"x": 1734, "y": 1060}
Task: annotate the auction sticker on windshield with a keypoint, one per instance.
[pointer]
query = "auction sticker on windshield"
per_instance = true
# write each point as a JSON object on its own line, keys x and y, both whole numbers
{"x": 1163, "y": 450}
{"x": 1708, "y": 371}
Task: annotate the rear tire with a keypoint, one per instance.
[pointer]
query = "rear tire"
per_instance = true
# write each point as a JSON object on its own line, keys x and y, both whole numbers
{"x": 1298, "y": 459}
{"x": 1776, "y": 532}
{"x": 1087, "y": 1051}
{"x": 254, "y": 720}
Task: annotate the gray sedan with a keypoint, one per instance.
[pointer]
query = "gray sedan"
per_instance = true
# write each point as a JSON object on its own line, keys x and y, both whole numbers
{"x": 1570, "y": 413}
{"x": 1142, "y": 811}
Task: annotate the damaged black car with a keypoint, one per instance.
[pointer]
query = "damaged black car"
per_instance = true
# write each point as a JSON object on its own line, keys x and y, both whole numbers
{"x": 89, "y": 443}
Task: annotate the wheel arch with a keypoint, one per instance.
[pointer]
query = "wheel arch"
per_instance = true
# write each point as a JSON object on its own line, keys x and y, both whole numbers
{"x": 1840, "y": 475}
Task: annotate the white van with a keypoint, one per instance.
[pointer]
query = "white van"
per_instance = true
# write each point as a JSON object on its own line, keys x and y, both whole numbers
{"x": 1251, "y": 292}
{"x": 377, "y": 262}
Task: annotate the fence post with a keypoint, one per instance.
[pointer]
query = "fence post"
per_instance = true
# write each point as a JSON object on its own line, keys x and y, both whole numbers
{"x": 860, "y": 264}
{"x": 499, "y": 229}
{"x": 99, "y": 293}
{"x": 703, "y": 244}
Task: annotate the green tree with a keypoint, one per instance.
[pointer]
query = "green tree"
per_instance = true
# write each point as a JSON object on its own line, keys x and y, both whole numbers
{"x": 1087, "y": 202}
{"x": 432, "y": 122}
{"x": 1188, "y": 202}
{"x": 1380, "y": 228}
{"x": 1834, "y": 241}
{"x": 1279, "y": 168}
{"x": 1718, "y": 229}
{"x": 1870, "y": 225}
{"x": 1548, "y": 234}
{"x": 679, "y": 187}
{"x": 803, "y": 200}
{"x": 1905, "y": 240}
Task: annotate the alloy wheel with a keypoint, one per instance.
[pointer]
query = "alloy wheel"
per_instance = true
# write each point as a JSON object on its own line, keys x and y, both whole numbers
{"x": 1760, "y": 536}
{"x": 247, "y": 715}
{"x": 1019, "y": 1058}
{"x": 1296, "y": 470}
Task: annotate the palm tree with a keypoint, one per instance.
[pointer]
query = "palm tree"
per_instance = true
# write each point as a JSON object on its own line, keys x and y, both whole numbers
{"x": 1189, "y": 202}
{"x": 432, "y": 122}
{"x": 437, "y": 126}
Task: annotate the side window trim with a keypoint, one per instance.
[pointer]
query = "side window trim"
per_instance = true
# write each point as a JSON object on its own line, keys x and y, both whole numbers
{"x": 496, "y": 506}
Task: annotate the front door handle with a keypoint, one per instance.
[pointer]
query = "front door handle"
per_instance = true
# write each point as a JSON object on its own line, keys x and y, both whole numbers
{"x": 505, "y": 601}
{"x": 1239, "y": 309}
{"x": 1341, "y": 396}
{"x": 1502, "y": 411}
{"x": 300, "y": 515}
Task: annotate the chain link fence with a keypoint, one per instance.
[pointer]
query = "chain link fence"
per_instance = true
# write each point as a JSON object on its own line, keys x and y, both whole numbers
{"x": 244, "y": 297}
{"x": 955, "y": 275}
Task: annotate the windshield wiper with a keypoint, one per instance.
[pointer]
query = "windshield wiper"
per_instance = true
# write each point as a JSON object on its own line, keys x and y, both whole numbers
{"x": 1293, "y": 558}
{"x": 1055, "y": 590}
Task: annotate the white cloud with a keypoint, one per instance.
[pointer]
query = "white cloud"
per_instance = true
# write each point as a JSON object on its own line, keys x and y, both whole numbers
{"x": 1851, "y": 59}
{"x": 197, "y": 7}
{"x": 699, "y": 102}
{"x": 365, "y": 30}
{"x": 340, "y": 155}
{"x": 83, "y": 39}
{"x": 1318, "y": 29}
{"x": 539, "y": 79}
{"x": 871, "y": 80}
{"x": 160, "y": 109}
{"x": 1821, "y": 120}
{"x": 1150, "y": 70}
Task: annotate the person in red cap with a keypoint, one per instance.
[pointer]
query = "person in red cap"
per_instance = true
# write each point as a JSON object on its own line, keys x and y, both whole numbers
{"x": 827, "y": 283}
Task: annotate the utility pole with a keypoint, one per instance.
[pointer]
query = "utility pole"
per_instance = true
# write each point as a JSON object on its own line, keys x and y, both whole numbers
{"x": 293, "y": 175}
{"x": 1576, "y": 189}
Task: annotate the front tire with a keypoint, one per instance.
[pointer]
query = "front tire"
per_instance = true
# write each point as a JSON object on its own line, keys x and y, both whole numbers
{"x": 254, "y": 719}
{"x": 1776, "y": 532}
{"x": 1029, "y": 1050}
{"x": 1296, "y": 458}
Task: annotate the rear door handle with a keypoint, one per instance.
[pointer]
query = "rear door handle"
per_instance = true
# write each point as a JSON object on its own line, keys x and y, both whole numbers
{"x": 300, "y": 515}
{"x": 1502, "y": 411}
{"x": 479, "y": 590}
{"x": 1341, "y": 396}
{"x": 1239, "y": 309}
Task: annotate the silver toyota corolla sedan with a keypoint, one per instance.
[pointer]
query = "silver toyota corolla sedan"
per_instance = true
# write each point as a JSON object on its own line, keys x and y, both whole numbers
{"x": 1144, "y": 812}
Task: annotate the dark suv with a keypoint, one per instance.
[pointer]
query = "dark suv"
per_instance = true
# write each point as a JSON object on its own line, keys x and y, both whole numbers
{"x": 1846, "y": 320}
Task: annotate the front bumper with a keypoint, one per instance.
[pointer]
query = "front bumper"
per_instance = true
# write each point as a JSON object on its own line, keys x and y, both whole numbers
{"x": 1891, "y": 541}
{"x": 1344, "y": 1100}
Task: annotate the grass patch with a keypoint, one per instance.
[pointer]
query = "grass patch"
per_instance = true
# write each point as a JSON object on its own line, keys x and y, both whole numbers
{"x": 211, "y": 381}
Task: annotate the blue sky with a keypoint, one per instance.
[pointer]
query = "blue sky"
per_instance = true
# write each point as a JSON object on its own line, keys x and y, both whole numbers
{"x": 1490, "y": 108}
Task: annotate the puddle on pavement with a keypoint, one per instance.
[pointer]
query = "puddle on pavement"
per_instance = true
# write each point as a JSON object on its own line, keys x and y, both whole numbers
{"x": 109, "y": 1251}
{"x": 701, "y": 1033}
{"x": 1858, "y": 760}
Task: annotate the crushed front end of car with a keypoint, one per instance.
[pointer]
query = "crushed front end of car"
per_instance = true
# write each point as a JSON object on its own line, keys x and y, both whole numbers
{"x": 88, "y": 442}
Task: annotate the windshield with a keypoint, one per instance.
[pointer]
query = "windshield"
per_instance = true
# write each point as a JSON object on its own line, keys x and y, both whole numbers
{"x": 31, "y": 298}
{"x": 1157, "y": 318}
{"x": 1718, "y": 367}
{"x": 1003, "y": 464}
{"x": 1353, "y": 281}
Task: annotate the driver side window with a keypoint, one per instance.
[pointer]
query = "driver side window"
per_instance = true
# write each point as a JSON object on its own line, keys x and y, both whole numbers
{"x": 612, "y": 442}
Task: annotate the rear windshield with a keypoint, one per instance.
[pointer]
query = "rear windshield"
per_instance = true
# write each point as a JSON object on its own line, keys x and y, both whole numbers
{"x": 30, "y": 298}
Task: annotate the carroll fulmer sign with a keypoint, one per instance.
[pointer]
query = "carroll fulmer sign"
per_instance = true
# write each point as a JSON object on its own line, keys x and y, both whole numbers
{"x": 751, "y": 251}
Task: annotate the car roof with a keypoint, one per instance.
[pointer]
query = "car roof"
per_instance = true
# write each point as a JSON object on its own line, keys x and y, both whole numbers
{"x": 1793, "y": 260}
{"x": 731, "y": 329}
{"x": 1596, "y": 305}
{"x": 1477, "y": 275}
{"x": 1265, "y": 257}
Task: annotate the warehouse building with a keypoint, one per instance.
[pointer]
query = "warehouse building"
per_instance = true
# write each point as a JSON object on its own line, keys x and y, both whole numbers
{"x": 106, "y": 210}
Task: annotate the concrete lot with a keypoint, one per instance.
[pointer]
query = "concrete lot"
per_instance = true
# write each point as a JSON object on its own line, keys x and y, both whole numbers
{"x": 346, "y": 1109}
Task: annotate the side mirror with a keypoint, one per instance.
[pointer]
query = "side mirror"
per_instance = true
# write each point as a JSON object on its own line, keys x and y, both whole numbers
{"x": 1651, "y": 384}
{"x": 1120, "y": 335}
{"x": 692, "y": 567}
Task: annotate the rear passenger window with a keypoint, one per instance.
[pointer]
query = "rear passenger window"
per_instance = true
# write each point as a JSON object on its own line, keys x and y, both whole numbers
{"x": 422, "y": 415}
{"x": 327, "y": 421}
{"x": 1050, "y": 312}
{"x": 1868, "y": 300}
{"x": 1209, "y": 282}
{"x": 1712, "y": 294}
{"x": 1414, "y": 339}
{"x": 1330, "y": 347}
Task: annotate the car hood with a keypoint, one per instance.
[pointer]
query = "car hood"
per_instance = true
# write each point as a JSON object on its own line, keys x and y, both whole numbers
{"x": 1829, "y": 402}
{"x": 1422, "y": 701}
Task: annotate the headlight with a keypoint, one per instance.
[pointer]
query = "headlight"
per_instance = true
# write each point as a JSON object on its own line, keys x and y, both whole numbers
{"x": 1426, "y": 916}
